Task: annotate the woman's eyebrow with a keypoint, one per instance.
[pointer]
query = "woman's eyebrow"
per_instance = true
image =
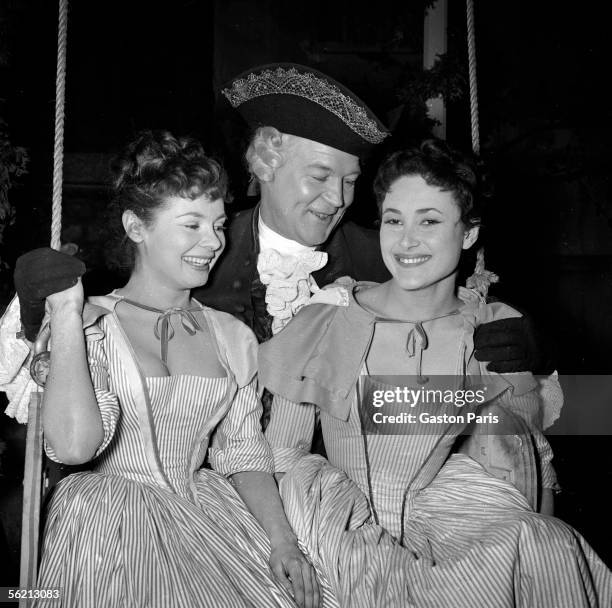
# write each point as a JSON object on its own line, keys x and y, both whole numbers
{"x": 428, "y": 209}
{"x": 193, "y": 213}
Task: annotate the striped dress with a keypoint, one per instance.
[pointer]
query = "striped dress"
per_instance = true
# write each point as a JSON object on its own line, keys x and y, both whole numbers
{"x": 402, "y": 520}
{"x": 148, "y": 526}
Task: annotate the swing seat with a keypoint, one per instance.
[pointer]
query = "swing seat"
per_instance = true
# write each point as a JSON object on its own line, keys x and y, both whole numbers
{"x": 34, "y": 483}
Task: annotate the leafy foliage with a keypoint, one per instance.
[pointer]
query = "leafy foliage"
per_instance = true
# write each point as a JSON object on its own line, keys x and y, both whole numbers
{"x": 13, "y": 164}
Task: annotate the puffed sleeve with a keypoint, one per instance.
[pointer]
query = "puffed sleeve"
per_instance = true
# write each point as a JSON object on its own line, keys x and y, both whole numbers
{"x": 290, "y": 431}
{"x": 238, "y": 443}
{"x": 107, "y": 399}
{"x": 529, "y": 407}
{"x": 524, "y": 398}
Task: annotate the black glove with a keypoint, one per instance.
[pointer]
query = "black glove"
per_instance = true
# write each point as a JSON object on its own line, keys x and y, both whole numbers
{"x": 38, "y": 274}
{"x": 512, "y": 345}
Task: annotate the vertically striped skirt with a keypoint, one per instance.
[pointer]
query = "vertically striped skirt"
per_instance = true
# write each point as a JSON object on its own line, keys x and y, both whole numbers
{"x": 470, "y": 540}
{"x": 111, "y": 542}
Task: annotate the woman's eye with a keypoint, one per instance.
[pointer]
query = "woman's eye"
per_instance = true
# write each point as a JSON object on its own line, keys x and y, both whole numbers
{"x": 393, "y": 221}
{"x": 192, "y": 226}
{"x": 221, "y": 228}
{"x": 350, "y": 183}
{"x": 319, "y": 178}
{"x": 430, "y": 222}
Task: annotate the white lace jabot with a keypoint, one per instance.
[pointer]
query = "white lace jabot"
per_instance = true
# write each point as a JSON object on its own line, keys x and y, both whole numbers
{"x": 285, "y": 267}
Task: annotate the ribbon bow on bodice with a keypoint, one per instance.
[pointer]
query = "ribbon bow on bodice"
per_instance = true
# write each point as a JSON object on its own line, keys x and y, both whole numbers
{"x": 163, "y": 329}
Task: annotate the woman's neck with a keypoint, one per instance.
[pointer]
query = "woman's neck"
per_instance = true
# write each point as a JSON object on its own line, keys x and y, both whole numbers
{"x": 391, "y": 300}
{"x": 143, "y": 290}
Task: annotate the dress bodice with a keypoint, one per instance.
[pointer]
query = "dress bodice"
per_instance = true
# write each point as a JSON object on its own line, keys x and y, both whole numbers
{"x": 391, "y": 465}
{"x": 183, "y": 408}
{"x": 159, "y": 430}
{"x": 391, "y": 468}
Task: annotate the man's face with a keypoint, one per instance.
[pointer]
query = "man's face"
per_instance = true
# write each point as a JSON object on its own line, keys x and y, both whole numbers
{"x": 310, "y": 192}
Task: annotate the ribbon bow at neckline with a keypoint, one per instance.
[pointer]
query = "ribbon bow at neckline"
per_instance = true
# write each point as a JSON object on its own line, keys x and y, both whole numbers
{"x": 417, "y": 340}
{"x": 163, "y": 329}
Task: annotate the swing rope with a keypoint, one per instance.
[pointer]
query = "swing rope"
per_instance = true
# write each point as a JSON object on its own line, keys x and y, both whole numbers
{"x": 471, "y": 39}
{"x": 481, "y": 279}
{"x": 34, "y": 480}
{"x": 58, "y": 149}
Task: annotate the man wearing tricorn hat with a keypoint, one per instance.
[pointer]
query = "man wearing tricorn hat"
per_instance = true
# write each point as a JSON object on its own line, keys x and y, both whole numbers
{"x": 309, "y": 133}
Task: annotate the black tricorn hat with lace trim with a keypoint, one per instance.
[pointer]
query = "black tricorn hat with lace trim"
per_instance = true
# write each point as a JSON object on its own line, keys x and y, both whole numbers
{"x": 304, "y": 102}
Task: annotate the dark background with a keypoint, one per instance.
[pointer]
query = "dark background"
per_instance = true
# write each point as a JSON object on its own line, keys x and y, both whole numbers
{"x": 544, "y": 122}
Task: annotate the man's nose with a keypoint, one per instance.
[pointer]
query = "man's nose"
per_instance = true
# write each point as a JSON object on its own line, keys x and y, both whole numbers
{"x": 335, "y": 194}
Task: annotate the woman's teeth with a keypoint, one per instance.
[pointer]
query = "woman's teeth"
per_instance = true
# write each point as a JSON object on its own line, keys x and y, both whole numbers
{"x": 412, "y": 259}
{"x": 197, "y": 262}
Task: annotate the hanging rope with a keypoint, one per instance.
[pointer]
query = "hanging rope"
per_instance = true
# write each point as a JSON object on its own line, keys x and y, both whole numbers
{"x": 58, "y": 150}
{"x": 481, "y": 279}
{"x": 472, "y": 73}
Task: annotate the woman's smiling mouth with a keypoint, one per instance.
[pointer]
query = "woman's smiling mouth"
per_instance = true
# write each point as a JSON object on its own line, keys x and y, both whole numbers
{"x": 197, "y": 262}
{"x": 410, "y": 260}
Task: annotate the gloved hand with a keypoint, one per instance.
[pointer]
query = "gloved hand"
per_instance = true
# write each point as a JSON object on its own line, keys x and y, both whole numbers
{"x": 38, "y": 274}
{"x": 512, "y": 345}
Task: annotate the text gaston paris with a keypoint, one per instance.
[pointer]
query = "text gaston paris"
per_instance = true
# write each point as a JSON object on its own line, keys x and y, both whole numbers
{"x": 413, "y": 397}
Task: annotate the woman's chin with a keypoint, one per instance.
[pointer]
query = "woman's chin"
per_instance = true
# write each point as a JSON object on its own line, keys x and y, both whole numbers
{"x": 197, "y": 279}
{"x": 198, "y": 284}
{"x": 410, "y": 283}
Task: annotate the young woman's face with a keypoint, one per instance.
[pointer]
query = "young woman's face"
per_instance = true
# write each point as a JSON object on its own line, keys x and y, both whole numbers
{"x": 184, "y": 241}
{"x": 421, "y": 234}
{"x": 310, "y": 192}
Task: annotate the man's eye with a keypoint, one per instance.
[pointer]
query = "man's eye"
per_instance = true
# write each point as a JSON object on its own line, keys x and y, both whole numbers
{"x": 350, "y": 183}
{"x": 319, "y": 178}
{"x": 221, "y": 228}
{"x": 192, "y": 226}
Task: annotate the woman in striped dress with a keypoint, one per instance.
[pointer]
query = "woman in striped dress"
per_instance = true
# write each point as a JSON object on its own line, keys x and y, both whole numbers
{"x": 140, "y": 392}
{"x": 399, "y": 514}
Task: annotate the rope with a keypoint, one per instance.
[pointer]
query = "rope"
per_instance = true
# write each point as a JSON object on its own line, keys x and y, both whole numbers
{"x": 58, "y": 150}
{"x": 481, "y": 279}
{"x": 472, "y": 74}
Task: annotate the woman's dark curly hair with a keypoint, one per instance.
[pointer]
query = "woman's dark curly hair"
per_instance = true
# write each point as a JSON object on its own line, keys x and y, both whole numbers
{"x": 439, "y": 165}
{"x": 153, "y": 167}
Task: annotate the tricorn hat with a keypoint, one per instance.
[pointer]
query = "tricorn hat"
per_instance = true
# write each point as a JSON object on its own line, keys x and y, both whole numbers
{"x": 304, "y": 102}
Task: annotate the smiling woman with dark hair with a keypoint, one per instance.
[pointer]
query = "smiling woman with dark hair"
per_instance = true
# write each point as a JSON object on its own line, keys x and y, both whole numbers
{"x": 406, "y": 512}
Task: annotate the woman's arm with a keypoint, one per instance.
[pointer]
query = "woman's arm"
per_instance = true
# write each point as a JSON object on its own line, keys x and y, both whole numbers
{"x": 240, "y": 452}
{"x": 259, "y": 492}
{"x": 529, "y": 408}
{"x": 289, "y": 432}
{"x": 71, "y": 418}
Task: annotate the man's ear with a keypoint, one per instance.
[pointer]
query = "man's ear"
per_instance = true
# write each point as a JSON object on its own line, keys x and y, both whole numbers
{"x": 470, "y": 236}
{"x": 262, "y": 172}
{"x": 133, "y": 226}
